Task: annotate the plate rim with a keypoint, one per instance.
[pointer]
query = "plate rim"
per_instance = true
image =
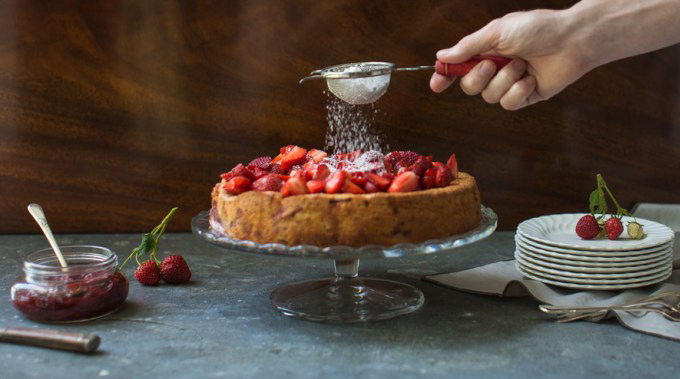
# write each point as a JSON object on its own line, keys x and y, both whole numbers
{"x": 601, "y": 281}
{"x": 524, "y": 224}
{"x": 602, "y": 268}
{"x": 598, "y": 256}
{"x": 665, "y": 265}
{"x": 596, "y": 287}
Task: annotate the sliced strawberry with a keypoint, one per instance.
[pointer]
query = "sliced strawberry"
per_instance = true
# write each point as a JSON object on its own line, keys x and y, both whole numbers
{"x": 270, "y": 182}
{"x": 321, "y": 172}
{"x": 307, "y": 169}
{"x": 442, "y": 176}
{"x": 406, "y": 157}
{"x": 241, "y": 170}
{"x": 317, "y": 155}
{"x": 261, "y": 162}
{"x": 286, "y": 149}
{"x": 283, "y": 177}
{"x": 421, "y": 165}
{"x": 405, "y": 182}
{"x": 336, "y": 181}
{"x": 296, "y": 171}
{"x": 226, "y": 175}
{"x": 380, "y": 182}
{"x": 294, "y": 186}
{"x": 358, "y": 178}
{"x": 275, "y": 168}
{"x": 350, "y": 187}
{"x": 316, "y": 186}
{"x": 370, "y": 188}
{"x": 427, "y": 180}
{"x": 237, "y": 185}
{"x": 257, "y": 172}
{"x": 277, "y": 159}
{"x": 295, "y": 156}
{"x": 452, "y": 164}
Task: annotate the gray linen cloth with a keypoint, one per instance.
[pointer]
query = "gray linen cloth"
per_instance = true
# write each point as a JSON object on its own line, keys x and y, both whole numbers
{"x": 503, "y": 279}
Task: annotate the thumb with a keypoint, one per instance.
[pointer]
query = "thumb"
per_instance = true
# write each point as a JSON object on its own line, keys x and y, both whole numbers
{"x": 473, "y": 44}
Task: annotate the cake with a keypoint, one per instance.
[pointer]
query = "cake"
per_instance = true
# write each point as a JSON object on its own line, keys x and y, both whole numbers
{"x": 305, "y": 197}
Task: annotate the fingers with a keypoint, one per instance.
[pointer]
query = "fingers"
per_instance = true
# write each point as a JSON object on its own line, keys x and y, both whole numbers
{"x": 439, "y": 83}
{"x": 473, "y": 44}
{"x": 477, "y": 79}
{"x": 520, "y": 94}
{"x": 500, "y": 84}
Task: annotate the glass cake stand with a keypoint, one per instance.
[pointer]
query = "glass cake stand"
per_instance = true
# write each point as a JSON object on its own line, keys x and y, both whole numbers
{"x": 345, "y": 297}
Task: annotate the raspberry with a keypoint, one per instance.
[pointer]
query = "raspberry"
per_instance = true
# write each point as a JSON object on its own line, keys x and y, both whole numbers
{"x": 587, "y": 227}
{"x": 613, "y": 227}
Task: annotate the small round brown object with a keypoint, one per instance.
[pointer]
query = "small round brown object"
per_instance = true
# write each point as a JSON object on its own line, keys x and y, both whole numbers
{"x": 347, "y": 219}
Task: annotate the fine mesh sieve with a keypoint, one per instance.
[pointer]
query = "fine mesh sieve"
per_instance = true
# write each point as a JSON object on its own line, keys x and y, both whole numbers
{"x": 366, "y": 82}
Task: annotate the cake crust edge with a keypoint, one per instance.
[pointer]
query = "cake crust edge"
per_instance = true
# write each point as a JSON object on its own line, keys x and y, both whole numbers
{"x": 346, "y": 219}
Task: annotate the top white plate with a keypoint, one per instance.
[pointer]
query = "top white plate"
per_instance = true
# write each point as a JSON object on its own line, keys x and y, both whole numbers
{"x": 560, "y": 230}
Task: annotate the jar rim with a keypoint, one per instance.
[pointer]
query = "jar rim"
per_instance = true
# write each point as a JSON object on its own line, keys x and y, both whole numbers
{"x": 90, "y": 257}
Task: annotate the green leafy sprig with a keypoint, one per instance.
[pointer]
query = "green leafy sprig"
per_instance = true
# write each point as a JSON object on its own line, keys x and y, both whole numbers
{"x": 598, "y": 202}
{"x": 149, "y": 245}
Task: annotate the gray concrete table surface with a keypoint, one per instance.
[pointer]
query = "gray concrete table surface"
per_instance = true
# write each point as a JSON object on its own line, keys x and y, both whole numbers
{"x": 222, "y": 325}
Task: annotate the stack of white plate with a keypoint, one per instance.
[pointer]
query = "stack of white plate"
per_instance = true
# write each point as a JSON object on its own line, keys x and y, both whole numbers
{"x": 548, "y": 250}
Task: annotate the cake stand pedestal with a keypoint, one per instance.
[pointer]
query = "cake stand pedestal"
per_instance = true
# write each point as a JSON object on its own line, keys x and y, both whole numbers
{"x": 346, "y": 297}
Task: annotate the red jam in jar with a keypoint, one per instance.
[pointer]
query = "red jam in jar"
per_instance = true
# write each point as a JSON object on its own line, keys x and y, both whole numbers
{"x": 90, "y": 287}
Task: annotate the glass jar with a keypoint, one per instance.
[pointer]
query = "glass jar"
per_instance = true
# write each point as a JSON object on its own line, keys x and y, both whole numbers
{"x": 90, "y": 287}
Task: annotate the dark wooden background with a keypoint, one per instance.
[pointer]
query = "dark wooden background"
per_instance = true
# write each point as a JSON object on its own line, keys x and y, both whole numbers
{"x": 112, "y": 112}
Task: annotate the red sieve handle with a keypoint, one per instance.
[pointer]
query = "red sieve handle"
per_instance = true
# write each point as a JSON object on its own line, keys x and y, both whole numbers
{"x": 460, "y": 69}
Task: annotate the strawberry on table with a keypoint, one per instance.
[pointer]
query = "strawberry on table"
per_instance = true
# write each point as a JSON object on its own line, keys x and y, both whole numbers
{"x": 174, "y": 270}
{"x": 148, "y": 273}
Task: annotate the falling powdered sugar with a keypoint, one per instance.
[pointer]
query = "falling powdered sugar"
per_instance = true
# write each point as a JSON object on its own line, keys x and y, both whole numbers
{"x": 350, "y": 127}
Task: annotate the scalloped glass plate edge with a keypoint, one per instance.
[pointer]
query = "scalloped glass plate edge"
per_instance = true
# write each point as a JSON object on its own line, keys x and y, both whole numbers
{"x": 200, "y": 226}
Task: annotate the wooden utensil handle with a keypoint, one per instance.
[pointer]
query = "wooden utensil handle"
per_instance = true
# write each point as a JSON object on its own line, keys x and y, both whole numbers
{"x": 460, "y": 69}
{"x": 53, "y": 339}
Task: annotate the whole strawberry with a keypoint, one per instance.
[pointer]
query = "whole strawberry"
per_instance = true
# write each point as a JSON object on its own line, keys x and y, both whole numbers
{"x": 635, "y": 230}
{"x": 587, "y": 227}
{"x": 148, "y": 273}
{"x": 613, "y": 227}
{"x": 174, "y": 270}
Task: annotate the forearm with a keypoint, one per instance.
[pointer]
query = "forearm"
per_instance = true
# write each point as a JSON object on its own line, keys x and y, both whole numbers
{"x": 609, "y": 30}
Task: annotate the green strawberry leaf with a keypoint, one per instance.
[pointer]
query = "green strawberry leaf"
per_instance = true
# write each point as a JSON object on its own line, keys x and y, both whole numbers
{"x": 598, "y": 204}
{"x": 148, "y": 245}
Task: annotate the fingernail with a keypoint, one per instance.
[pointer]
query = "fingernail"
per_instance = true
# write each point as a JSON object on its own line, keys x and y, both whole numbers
{"x": 442, "y": 53}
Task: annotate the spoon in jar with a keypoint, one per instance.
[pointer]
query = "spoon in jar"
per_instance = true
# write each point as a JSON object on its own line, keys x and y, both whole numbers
{"x": 37, "y": 212}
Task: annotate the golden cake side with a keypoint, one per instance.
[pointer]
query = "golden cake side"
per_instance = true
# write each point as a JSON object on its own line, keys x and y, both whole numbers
{"x": 347, "y": 219}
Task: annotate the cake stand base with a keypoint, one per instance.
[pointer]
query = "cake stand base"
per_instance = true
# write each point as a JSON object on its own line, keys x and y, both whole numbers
{"x": 346, "y": 298}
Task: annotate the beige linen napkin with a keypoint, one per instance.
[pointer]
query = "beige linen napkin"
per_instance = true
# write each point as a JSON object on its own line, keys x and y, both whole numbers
{"x": 503, "y": 279}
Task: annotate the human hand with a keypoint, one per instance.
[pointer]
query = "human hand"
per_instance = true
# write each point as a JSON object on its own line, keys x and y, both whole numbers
{"x": 546, "y": 52}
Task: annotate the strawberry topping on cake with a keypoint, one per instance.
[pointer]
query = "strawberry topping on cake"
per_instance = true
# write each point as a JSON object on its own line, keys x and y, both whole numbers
{"x": 298, "y": 171}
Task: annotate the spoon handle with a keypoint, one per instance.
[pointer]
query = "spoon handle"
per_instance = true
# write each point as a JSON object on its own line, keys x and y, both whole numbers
{"x": 54, "y": 339}
{"x": 37, "y": 212}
